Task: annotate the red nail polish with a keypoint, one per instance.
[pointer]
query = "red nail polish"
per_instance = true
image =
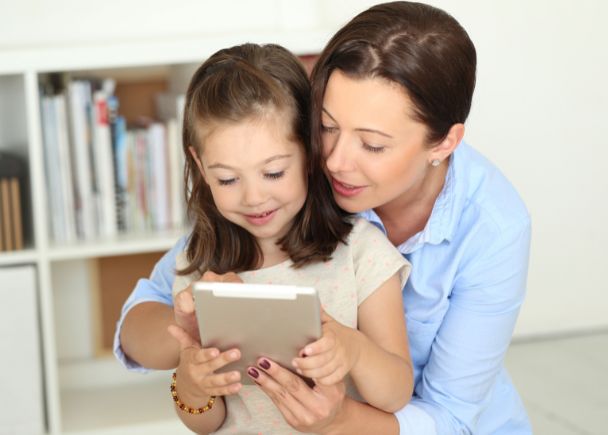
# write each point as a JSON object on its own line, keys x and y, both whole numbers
{"x": 253, "y": 372}
{"x": 265, "y": 364}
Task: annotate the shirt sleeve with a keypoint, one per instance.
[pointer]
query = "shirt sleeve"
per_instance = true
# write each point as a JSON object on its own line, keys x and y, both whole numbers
{"x": 375, "y": 259}
{"x": 467, "y": 354}
{"x": 156, "y": 288}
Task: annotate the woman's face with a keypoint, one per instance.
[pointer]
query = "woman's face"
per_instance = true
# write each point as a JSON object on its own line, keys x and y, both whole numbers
{"x": 375, "y": 153}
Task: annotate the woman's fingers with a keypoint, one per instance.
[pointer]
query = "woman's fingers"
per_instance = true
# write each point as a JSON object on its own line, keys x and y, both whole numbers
{"x": 287, "y": 391}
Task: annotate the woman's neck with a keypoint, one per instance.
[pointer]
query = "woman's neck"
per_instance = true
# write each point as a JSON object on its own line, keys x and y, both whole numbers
{"x": 408, "y": 214}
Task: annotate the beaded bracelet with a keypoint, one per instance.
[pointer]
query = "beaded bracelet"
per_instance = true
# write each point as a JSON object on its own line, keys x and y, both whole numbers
{"x": 185, "y": 407}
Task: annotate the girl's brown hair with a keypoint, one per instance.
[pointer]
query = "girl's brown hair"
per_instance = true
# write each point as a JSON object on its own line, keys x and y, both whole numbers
{"x": 418, "y": 46}
{"x": 233, "y": 85}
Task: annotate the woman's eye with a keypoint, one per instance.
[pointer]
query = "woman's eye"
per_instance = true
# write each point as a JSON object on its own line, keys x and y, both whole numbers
{"x": 373, "y": 149}
{"x": 327, "y": 129}
{"x": 274, "y": 175}
{"x": 226, "y": 182}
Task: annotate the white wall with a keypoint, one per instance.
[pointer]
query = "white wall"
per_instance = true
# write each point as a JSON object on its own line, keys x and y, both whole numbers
{"x": 539, "y": 110}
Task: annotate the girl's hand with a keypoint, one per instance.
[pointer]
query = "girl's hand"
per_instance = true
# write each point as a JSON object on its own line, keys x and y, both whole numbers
{"x": 183, "y": 304}
{"x": 330, "y": 358}
{"x": 306, "y": 409}
{"x": 196, "y": 377}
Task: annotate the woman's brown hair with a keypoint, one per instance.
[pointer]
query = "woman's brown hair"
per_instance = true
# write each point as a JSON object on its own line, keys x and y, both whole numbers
{"x": 420, "y": 47}
{"x": 234, "y": 85}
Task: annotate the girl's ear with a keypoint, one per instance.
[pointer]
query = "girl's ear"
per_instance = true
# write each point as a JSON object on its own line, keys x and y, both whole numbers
{"x": 447, "y": 146}
{"x": 192, "y": 151}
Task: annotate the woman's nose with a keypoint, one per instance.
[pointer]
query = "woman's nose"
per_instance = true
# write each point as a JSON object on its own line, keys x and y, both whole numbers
{"x": 337, "y": 157}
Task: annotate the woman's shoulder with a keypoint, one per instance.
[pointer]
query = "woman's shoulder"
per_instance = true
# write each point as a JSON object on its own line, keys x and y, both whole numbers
{"x": 488, "y": 196}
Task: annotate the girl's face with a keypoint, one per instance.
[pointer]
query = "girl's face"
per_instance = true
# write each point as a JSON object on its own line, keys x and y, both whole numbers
{"x": 256, "y": 174}
{"x": 375, "y": 153}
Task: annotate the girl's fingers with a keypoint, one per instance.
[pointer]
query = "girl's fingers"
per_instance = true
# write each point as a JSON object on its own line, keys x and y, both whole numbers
{"x": 220, "y": 360}
{"x": 183, "y": 338}
{"x": 332, "y": 378}
{"x": 316, "y": 360}
{"x": 184, "y": 302}
{"x": 325, "y": 317}
{"x": 322, "y": 345}
{"x": 221, "y": 384}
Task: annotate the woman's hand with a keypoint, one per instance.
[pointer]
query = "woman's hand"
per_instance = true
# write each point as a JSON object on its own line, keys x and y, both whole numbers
{"x": 196, "y": 377}
{"x": 330, "y": 358}
{"x": 304, "y": 408}
{"x": 183, "y": 304}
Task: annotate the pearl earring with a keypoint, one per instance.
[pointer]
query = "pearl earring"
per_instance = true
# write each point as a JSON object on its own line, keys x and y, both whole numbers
{"x": 435, "y": 162}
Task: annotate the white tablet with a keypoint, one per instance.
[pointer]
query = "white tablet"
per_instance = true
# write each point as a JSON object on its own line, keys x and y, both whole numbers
{"x": 275, "y": 321}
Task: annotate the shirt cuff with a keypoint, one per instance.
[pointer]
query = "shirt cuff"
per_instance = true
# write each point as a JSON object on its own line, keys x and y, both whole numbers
{"x": 415, "y": 420}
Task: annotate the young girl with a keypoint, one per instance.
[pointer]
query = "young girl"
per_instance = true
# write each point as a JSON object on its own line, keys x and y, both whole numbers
{"x": 262, "y": 208}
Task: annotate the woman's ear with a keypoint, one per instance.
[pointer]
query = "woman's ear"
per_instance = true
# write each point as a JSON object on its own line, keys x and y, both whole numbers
{"x": 447, "y": 146}
{"x": 194, "y": 155}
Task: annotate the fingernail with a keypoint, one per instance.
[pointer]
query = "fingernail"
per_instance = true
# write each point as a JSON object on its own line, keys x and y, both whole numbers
{"x": 253, "y": 372}
{"x": 307, "y": 351}
{"x": 265, "y": 364}
{"x": 294, "y": 363}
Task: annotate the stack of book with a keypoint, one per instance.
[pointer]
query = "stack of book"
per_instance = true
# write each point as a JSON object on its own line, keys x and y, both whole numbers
{"x": 103, "y": 176}
{"x": 11, "y": 223}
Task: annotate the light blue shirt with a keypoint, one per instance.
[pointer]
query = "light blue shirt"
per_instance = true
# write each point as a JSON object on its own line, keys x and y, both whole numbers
{"x": 468, "y": 281}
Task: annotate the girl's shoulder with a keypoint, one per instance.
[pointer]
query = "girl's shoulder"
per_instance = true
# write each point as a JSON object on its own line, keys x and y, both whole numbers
{"x": 367, "y": 236}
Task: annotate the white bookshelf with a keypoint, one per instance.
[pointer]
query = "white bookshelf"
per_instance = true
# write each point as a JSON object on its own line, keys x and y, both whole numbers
{"x": 87, "y": 393}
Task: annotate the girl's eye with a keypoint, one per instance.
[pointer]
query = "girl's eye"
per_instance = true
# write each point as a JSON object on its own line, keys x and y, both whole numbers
{"x": 373, "y": 149}
{"x": 274, "y": 175}
{"x": 226, "y": 182}
{"x": 327, "y": 129}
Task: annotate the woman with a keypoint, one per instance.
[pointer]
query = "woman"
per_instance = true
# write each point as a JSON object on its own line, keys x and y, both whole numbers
{"x": 391, "y": 93}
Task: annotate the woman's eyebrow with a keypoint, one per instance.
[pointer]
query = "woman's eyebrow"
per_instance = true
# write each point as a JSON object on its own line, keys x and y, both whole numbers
{"x": 368, "y": 130}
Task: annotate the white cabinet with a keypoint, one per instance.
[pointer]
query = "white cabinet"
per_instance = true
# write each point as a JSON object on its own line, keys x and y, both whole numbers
{"x": 22, "y": 400}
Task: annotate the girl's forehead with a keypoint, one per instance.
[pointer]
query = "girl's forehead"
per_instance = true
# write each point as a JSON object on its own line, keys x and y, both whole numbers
{"x": 255, "y": 140}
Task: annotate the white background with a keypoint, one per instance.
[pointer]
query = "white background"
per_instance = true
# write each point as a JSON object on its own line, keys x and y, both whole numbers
{"x": 539, "y": 110}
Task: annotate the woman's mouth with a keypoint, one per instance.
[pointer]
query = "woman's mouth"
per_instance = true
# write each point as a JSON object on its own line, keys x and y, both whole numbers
{"x": 345, "y": 189}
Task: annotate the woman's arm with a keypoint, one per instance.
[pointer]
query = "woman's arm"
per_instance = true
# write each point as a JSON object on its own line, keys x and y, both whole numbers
{"x": 141, "y": 338}
{"x": 144, "y": 338}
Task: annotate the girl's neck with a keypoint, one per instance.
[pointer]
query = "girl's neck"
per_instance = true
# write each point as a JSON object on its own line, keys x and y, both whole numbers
{"x": 271, "y": 252}
{"x": 408, "y": 214}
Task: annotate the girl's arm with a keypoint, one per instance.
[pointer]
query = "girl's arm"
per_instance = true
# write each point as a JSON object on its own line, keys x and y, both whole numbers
{"x": 376, "y": 355}
{"x": 383, "y": 371}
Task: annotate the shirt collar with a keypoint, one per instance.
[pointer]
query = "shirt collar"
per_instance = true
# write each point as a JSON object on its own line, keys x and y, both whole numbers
{"x": 444, "y": 218}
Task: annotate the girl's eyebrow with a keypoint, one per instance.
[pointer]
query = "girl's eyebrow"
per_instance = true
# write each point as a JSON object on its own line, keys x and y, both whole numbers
{"x": 264, "y": 162}
{"x": 368, "y": 130}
